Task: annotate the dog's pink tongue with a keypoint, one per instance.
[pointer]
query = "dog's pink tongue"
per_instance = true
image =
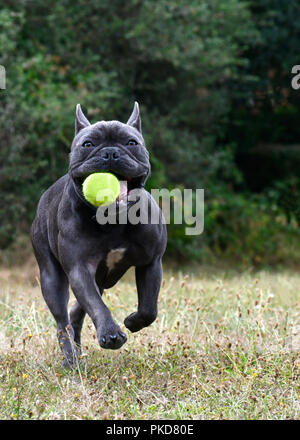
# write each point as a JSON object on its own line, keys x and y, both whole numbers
{"x": 123, "y": 190}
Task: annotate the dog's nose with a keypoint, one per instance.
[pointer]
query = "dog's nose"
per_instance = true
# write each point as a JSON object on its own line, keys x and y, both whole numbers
{"x": 110, "y": 153}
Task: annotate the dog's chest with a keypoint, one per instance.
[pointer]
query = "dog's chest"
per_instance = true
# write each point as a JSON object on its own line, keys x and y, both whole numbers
{"x": 113, "y": 257}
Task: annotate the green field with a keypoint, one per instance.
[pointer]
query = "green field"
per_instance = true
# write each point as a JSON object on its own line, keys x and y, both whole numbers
{"x": 225, "y": 346}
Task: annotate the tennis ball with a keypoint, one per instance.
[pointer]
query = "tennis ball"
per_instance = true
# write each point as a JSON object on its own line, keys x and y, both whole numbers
{"x": 101, "y": 189}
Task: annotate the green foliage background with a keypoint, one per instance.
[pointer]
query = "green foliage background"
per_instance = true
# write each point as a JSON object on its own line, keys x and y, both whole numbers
{"x": 213, "y": 81}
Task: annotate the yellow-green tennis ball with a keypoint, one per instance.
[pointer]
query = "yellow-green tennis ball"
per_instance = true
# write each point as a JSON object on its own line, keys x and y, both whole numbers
{"x": 101, "y": 189}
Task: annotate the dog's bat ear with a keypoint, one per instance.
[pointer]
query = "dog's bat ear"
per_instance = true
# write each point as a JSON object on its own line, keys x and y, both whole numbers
{"x": 135, "y": 118}
{"x": 80, "y": 120}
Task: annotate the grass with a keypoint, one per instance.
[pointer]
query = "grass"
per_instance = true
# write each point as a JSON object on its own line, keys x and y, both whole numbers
{"x": 225, "y": 346}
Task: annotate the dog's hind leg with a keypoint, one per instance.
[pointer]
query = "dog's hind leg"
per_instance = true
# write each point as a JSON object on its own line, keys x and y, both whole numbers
{"x": 77, "y": 315}
{"x": 55, "y": 290}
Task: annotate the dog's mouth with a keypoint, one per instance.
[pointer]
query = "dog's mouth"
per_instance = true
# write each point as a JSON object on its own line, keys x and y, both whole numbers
{"x": 127, "y": 184}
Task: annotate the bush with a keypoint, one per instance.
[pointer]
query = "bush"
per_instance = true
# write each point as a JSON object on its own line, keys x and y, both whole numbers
{"x": 196, "y": 67}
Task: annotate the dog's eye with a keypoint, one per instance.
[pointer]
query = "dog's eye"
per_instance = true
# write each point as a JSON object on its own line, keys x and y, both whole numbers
{"x": 87, "y": 144}
{"x": 132, "y": 142}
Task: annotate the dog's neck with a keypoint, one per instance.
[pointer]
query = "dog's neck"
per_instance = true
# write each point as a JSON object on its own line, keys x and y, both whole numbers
{"x": 81, "y": 198}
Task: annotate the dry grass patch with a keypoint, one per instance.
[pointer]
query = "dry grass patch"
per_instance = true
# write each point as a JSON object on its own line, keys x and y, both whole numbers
{"x": 224, "y": 346}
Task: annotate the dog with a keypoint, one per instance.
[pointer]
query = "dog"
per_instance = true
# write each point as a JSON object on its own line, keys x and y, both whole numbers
{"x": 73, "y": 249}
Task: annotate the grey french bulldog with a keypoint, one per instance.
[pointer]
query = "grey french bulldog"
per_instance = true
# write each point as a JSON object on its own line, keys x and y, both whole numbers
{"x": 73, "y": 249}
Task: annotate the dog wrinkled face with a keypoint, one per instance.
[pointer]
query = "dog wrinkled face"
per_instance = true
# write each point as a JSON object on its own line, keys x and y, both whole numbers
{"x": 109, "y": 146}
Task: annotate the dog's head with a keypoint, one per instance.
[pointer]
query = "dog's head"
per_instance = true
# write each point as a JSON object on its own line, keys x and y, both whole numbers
{"x": 109, "y": 146}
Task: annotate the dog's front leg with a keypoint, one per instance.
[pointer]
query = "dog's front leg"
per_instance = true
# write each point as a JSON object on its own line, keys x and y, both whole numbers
{"x": 86, "y": 291}
{"x": 148, "y": 281}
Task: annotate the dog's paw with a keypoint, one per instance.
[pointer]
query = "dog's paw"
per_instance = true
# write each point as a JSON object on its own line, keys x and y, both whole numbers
{"x": 112, "y": 339}
{"x": 70, "y": 361}
{"x": 136, "y": 321}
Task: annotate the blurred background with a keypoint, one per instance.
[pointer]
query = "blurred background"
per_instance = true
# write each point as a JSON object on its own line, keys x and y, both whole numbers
{"x": 213, "y": 79}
